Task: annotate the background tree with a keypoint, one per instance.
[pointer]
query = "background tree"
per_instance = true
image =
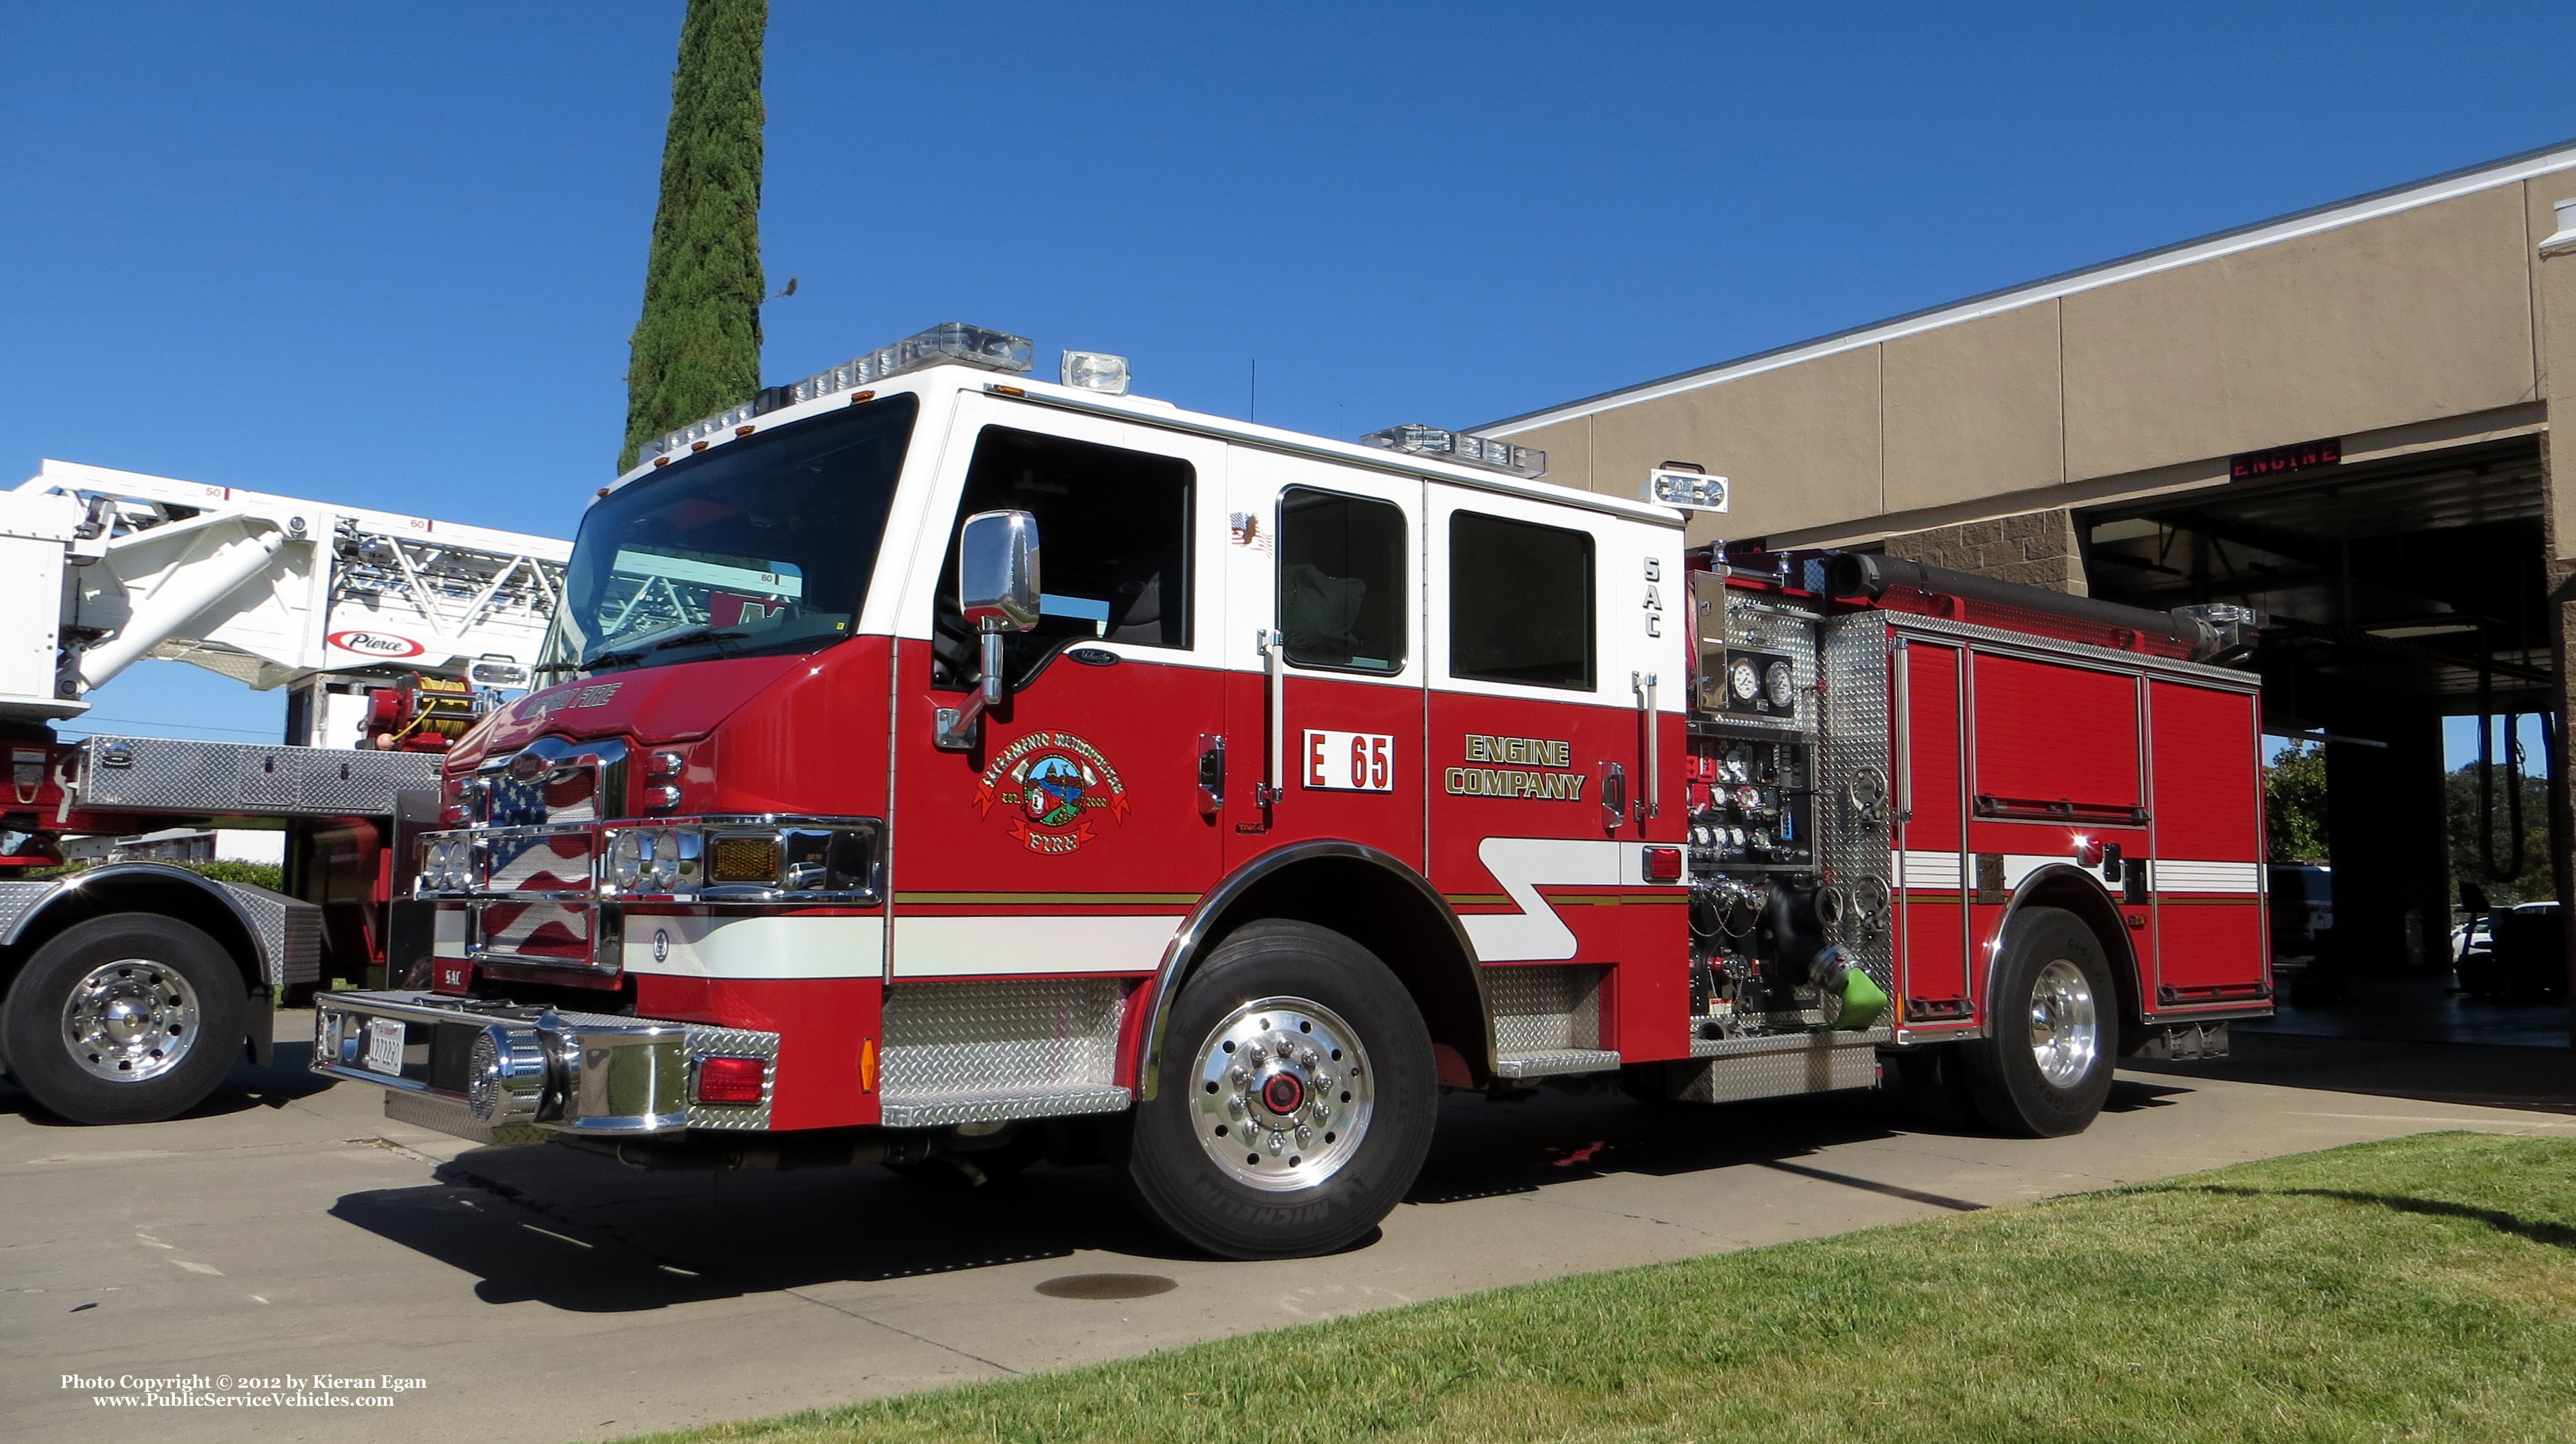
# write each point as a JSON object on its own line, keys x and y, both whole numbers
{"x": 2294, "y": 804}
{"x": 696, "y": 349}
{"x": 2533, "y": 882}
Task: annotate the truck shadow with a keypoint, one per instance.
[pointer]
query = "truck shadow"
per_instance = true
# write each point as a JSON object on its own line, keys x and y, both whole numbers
{"x": 580, "y": 1233}
{"x": 584, "y": 1234}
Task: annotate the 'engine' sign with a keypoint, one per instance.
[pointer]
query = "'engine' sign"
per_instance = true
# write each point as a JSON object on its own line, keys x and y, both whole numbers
{"x": 1350, "y": 761}
{"x": 375, "y": 644}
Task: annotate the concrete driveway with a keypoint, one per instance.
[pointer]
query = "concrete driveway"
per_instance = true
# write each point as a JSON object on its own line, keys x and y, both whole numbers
{"x": 289, "y": 1229}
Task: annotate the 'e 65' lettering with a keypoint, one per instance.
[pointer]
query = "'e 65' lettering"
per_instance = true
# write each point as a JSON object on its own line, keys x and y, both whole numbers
{"x": 1350, "y": 761}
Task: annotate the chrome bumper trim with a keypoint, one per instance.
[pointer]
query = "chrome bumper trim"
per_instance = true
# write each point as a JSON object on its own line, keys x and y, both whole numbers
{"x": 579, "y": 1073}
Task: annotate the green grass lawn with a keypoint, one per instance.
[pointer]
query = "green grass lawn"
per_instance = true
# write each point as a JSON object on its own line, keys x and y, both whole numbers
{"x": 2423, "y": 1288}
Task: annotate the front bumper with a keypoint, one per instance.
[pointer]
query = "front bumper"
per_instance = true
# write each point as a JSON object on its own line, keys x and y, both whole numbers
{"x": 470, "y": 1067}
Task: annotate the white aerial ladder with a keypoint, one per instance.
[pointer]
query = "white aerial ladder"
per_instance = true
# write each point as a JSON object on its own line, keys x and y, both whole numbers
{"x": 127, "y": 989}
{"x": 101, "y": 568}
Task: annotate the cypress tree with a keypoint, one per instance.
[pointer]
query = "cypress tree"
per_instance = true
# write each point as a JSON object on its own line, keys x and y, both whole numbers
{"x": 696, "y": 349}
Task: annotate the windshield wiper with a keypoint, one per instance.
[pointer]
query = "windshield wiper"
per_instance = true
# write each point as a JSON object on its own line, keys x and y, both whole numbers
{"x": 702, "y": 634}
{"x": 638, "y": 654}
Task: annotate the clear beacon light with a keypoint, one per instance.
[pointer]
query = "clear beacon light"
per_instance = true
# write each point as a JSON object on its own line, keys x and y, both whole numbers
{"x": 1096, "y": 371}
{"x": 1461, "y": 446}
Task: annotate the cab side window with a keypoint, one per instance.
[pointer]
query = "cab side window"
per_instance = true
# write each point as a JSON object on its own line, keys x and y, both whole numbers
{"x": 1520, "y": 602}
{"x": 1341, "y": 581}
{"x": 1113, "y": 548}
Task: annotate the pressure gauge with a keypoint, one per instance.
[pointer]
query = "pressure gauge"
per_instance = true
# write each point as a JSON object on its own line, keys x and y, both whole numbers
{"x": 1745, "y": 679}
{"x": 1748, "y": 799}
{"x": 1781, "y": 684}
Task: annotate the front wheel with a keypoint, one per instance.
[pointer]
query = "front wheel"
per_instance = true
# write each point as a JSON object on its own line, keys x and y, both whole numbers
{"x": 2046, "y": 1067}
{"x": 128, "y": 1018}
{"x": 1297, "y": 1092}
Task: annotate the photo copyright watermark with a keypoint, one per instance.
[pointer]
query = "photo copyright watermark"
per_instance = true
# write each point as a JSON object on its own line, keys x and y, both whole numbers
{"x": 243, "y": 1391}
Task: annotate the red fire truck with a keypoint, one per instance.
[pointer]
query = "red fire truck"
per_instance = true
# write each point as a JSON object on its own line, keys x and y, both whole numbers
{"x": 1301, "y": 782}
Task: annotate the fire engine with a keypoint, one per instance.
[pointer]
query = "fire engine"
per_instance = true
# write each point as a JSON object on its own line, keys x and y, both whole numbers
{"x": 948, "y": 768}
{"x": 132, "y": 987}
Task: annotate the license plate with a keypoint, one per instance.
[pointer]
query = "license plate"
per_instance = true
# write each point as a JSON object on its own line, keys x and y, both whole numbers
{"x": 384, "y": 1046}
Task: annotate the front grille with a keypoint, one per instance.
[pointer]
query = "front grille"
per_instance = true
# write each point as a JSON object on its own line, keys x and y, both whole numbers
{"x": 552, "y": 780}
{"x": 538, "y": 885}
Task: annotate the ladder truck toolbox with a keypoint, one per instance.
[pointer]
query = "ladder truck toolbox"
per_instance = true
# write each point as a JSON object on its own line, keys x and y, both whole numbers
{"x": 128, "y": 989}
{"x": 945, "y": 767}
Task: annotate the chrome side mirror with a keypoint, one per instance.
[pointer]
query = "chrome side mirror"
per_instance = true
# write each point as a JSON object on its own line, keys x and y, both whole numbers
{"x": 997, "y": 571}
{"x": 997, "y": 593}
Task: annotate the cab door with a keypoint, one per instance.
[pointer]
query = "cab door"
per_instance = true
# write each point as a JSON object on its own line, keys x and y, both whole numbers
{"x": 1546, "y": 624}
{"x": 1068, "y": 840}
{"x": 1325, "y": 722}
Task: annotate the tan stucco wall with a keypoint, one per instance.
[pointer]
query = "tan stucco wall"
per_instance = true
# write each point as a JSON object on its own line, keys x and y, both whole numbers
{"x": 2400, "y": 320}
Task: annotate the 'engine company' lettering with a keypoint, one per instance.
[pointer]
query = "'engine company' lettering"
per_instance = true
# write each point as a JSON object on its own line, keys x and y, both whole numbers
{"x": 1519, "y": 751}
{"x": 1503, "y": 782}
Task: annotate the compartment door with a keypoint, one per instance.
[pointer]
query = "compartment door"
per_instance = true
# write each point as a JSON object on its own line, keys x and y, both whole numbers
{"x": 2207, "y": 871}
{"x": 1931, "y": 796}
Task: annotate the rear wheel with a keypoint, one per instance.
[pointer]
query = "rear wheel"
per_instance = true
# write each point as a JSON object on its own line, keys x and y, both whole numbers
{"x": 129, "y": 1018}
{"x": 2047, "y": 1066}
{"x": 1296, "y": 1097}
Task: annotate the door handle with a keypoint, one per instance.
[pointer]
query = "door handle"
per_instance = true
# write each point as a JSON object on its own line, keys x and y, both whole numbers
{"x": 1650, "y": 804}
{"x": 1211, "y": 773}
{"x": 1274, "y": 647}
{"x": 1614, "y": 796}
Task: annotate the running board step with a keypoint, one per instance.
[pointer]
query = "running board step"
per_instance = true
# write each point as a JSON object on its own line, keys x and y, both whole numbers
{"x": 1554, "y": 1062}
{"x": 939, "y": 1110}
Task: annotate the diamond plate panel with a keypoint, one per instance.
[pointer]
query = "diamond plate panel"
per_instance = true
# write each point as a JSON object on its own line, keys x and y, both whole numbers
{"x": 992, "y": 1107}
{"x": 1545, "y": 1007}
{"x": 290, "y": 933}
{"x": 1730, "y": 620}
{"x": 1853, "y": 773}
{"x": 1551, "y": 1063}
{"x": 165, "y": 774}
{"x": 1827, "y": 1063}
{"x": 982, "y": 1045}
{"x": 17, "y": 899}
{"x": 702, "y": 1042}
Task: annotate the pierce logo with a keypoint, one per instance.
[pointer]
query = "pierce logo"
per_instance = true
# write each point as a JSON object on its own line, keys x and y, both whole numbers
{"x": 375, "y": 644}
{"x": 1055, "y": 786}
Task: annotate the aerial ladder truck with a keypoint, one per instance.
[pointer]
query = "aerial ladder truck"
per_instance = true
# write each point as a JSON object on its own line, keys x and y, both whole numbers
{"x": 127, "y": 990}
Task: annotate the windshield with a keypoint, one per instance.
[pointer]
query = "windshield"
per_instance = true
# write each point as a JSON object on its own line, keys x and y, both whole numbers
{"x": 762, "y": 545}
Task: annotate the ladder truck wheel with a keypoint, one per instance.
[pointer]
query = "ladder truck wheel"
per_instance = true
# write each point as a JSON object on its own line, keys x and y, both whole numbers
{"x": 128, "y": 1018}
{"x": 2047, "y": 1066}
{"x": 1297, "y": 1096}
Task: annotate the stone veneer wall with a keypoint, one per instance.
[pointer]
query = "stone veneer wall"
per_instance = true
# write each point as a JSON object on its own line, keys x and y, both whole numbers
{"x": 2037, "y": 548}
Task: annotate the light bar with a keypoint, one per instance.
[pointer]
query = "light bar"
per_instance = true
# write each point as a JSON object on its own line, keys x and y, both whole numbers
{"x": 954, "y": 341}
{"x": 1462, "y": 447}
{"x": 1685, "y": 487}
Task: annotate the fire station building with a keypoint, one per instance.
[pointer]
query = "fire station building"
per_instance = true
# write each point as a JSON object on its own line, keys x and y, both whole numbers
{"x": 2341, "y": 417}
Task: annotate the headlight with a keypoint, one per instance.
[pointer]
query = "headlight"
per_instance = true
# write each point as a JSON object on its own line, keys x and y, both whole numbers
{"x": 441, "y": 869}
{"x": 626, "y": 860}
{"x": 661, "y": 860}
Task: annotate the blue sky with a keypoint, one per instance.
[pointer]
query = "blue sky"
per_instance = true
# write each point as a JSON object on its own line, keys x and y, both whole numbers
{"x": 390, "y": 255}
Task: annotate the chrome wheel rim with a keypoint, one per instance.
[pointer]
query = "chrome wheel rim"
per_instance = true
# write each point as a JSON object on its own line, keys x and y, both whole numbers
{"x": 131, "y": 1020}
{"x": 2065, "y": 1029}
{"x": 1281, "y": 1094}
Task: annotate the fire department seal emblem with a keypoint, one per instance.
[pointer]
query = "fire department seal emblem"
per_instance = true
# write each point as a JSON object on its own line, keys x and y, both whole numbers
{"x": 1055, "y": 786}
